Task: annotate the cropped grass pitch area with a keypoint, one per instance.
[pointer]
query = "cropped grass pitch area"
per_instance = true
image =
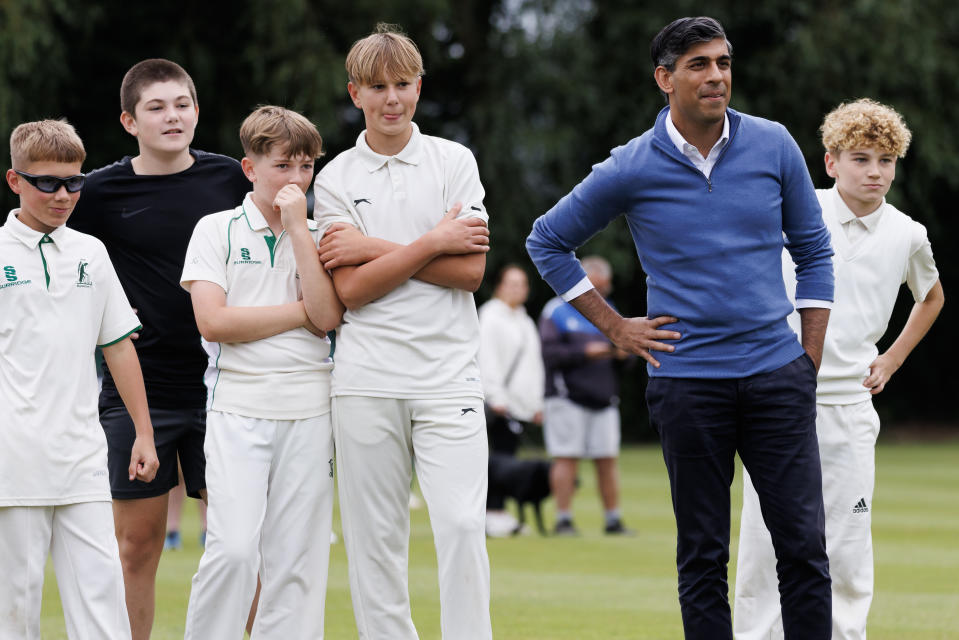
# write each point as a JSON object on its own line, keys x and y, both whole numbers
{"x": 602, "y": 588}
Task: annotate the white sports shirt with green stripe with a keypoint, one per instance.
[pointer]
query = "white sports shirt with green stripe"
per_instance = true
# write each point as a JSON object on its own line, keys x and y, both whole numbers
{"x": 283, "y": 377}
{"x": 59, "y": 299}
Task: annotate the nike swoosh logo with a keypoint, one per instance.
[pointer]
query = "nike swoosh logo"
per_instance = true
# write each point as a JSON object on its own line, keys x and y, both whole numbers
{"x": 130, "y": 214}
{"x": 357, "y": 202}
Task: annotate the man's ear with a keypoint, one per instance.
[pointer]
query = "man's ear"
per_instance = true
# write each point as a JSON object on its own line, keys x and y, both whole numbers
{"x": 664, "y": 79}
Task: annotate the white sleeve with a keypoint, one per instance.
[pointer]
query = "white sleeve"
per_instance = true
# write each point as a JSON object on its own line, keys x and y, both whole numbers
{"x": 206, "y": 256}
{"x": 463, "y": 185}
{"x": 921, "y": 273}
{"x": 329, "y": 205}
{"x": 118, "y": 320}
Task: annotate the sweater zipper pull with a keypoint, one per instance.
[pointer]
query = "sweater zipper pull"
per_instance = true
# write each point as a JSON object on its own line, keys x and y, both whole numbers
{"x": 709, "y": 183}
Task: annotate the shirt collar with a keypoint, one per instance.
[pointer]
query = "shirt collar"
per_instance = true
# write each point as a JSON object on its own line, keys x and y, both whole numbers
{"x": 255, "y": 217}
{"x": 681, "y": 143}
{"x": 844, "y": 214}
{"x": 30, "y": 237}
{"x": 412, "y": 153}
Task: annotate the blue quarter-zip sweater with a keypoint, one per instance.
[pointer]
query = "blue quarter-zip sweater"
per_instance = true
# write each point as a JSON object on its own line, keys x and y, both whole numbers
{"x": 711, "y": 248}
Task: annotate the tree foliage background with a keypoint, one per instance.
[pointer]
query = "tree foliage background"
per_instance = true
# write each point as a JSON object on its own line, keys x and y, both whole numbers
{"x": 539, "y": 89}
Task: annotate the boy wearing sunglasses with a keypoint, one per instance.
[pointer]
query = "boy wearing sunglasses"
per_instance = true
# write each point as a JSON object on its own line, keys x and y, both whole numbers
{"x": 144, "y": 209}
{"x": 61, "y": 299}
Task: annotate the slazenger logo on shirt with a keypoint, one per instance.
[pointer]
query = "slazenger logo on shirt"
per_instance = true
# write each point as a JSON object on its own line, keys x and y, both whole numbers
{"x": 10, "y": 278}
{"x": 245, "y": 257}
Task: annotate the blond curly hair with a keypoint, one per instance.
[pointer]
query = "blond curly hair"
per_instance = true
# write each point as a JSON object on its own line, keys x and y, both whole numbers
{"x": 865, "y": 123}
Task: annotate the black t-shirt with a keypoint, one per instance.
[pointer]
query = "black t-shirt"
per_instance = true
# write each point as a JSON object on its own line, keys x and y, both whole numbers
{"x": 146, "y": 222}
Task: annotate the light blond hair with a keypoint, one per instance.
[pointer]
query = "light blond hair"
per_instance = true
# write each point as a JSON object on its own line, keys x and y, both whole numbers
{"x": 45, "y": 141}
{"x": 865, "y": 124}
{"x": 385, "y": 54}
{"x": 270, "y": 126}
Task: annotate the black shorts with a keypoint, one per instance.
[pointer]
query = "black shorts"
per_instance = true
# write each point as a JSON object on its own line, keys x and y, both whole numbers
{"x": 176, "y": 433}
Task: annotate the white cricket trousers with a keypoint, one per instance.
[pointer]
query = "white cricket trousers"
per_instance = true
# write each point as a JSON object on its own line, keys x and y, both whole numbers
{"x": 270, "y": 490}
{"x": 378, "y": 441}
{"x": 847, "y": 443}
{"x": 80, "y": 537}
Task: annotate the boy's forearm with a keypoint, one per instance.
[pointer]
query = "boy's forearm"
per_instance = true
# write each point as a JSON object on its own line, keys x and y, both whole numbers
{"x": 245, "y": 324}
{"x": 322, "y": 306}
{"x": 464, "y": 271}
{"x": 124, "y": 366}
{"x": 461, "y": 271}
{"x": 362, "y": 284}
{"x": 920, "y": 320}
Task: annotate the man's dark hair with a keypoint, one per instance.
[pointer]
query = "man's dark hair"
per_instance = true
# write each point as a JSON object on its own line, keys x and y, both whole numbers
{"x": 678, "y": 36}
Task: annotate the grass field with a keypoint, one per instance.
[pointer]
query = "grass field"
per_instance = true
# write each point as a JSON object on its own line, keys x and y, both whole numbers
{"x": 596, "y": 587}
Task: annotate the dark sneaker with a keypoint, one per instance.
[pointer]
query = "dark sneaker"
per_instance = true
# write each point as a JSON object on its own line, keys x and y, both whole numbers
{"x": 617, "y": 528}
{"x": 565, "y": 528}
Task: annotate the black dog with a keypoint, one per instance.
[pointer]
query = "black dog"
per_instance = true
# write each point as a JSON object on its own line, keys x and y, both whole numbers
{"x": 526, "y": 481}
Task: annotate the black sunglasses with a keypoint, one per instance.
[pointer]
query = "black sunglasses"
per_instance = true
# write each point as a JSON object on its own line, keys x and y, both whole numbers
{"x": 52, "y": 184}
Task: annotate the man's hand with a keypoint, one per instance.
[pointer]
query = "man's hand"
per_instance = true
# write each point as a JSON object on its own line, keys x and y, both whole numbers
{"x": 290, "y": 203}
{"x": 880, "y": 371}
{"x": 642, "y": 335}
{"x": 343, "y": 245}
{"x": 143, "y": 460}
{"x": 455, "y": 237}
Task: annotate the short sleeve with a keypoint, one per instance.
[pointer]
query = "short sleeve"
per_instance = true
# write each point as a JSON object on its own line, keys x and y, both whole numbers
{"x": 206, "y": 255}
{"x": 921, "y": 272}
{"x": 329, "y": 207}
{"x": 464, "y": 186}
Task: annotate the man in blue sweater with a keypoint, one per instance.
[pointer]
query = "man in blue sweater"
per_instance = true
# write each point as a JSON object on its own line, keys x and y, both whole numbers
{"x": 711, "y": 196}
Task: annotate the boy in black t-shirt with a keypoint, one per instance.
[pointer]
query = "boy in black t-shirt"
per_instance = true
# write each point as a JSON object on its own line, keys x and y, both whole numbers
{"x": 144, "y": 209}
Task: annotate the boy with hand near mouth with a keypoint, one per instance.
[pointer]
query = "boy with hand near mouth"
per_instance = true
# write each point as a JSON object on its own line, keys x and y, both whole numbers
{"x": 263, "y": 305}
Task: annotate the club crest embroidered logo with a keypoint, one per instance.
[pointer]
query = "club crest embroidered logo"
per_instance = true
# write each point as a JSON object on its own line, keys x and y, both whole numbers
{"x": 246, "y": 258}
{"x": 83, "y": 275}
{"x": 11, "y": 279}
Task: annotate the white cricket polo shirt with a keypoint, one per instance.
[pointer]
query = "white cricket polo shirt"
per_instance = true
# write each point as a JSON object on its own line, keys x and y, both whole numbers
{"x": 420, "y": 340}
{"x": 283, "y": 377}
{"x": 59, "y": 299}
{"x": 892, "y": 249}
